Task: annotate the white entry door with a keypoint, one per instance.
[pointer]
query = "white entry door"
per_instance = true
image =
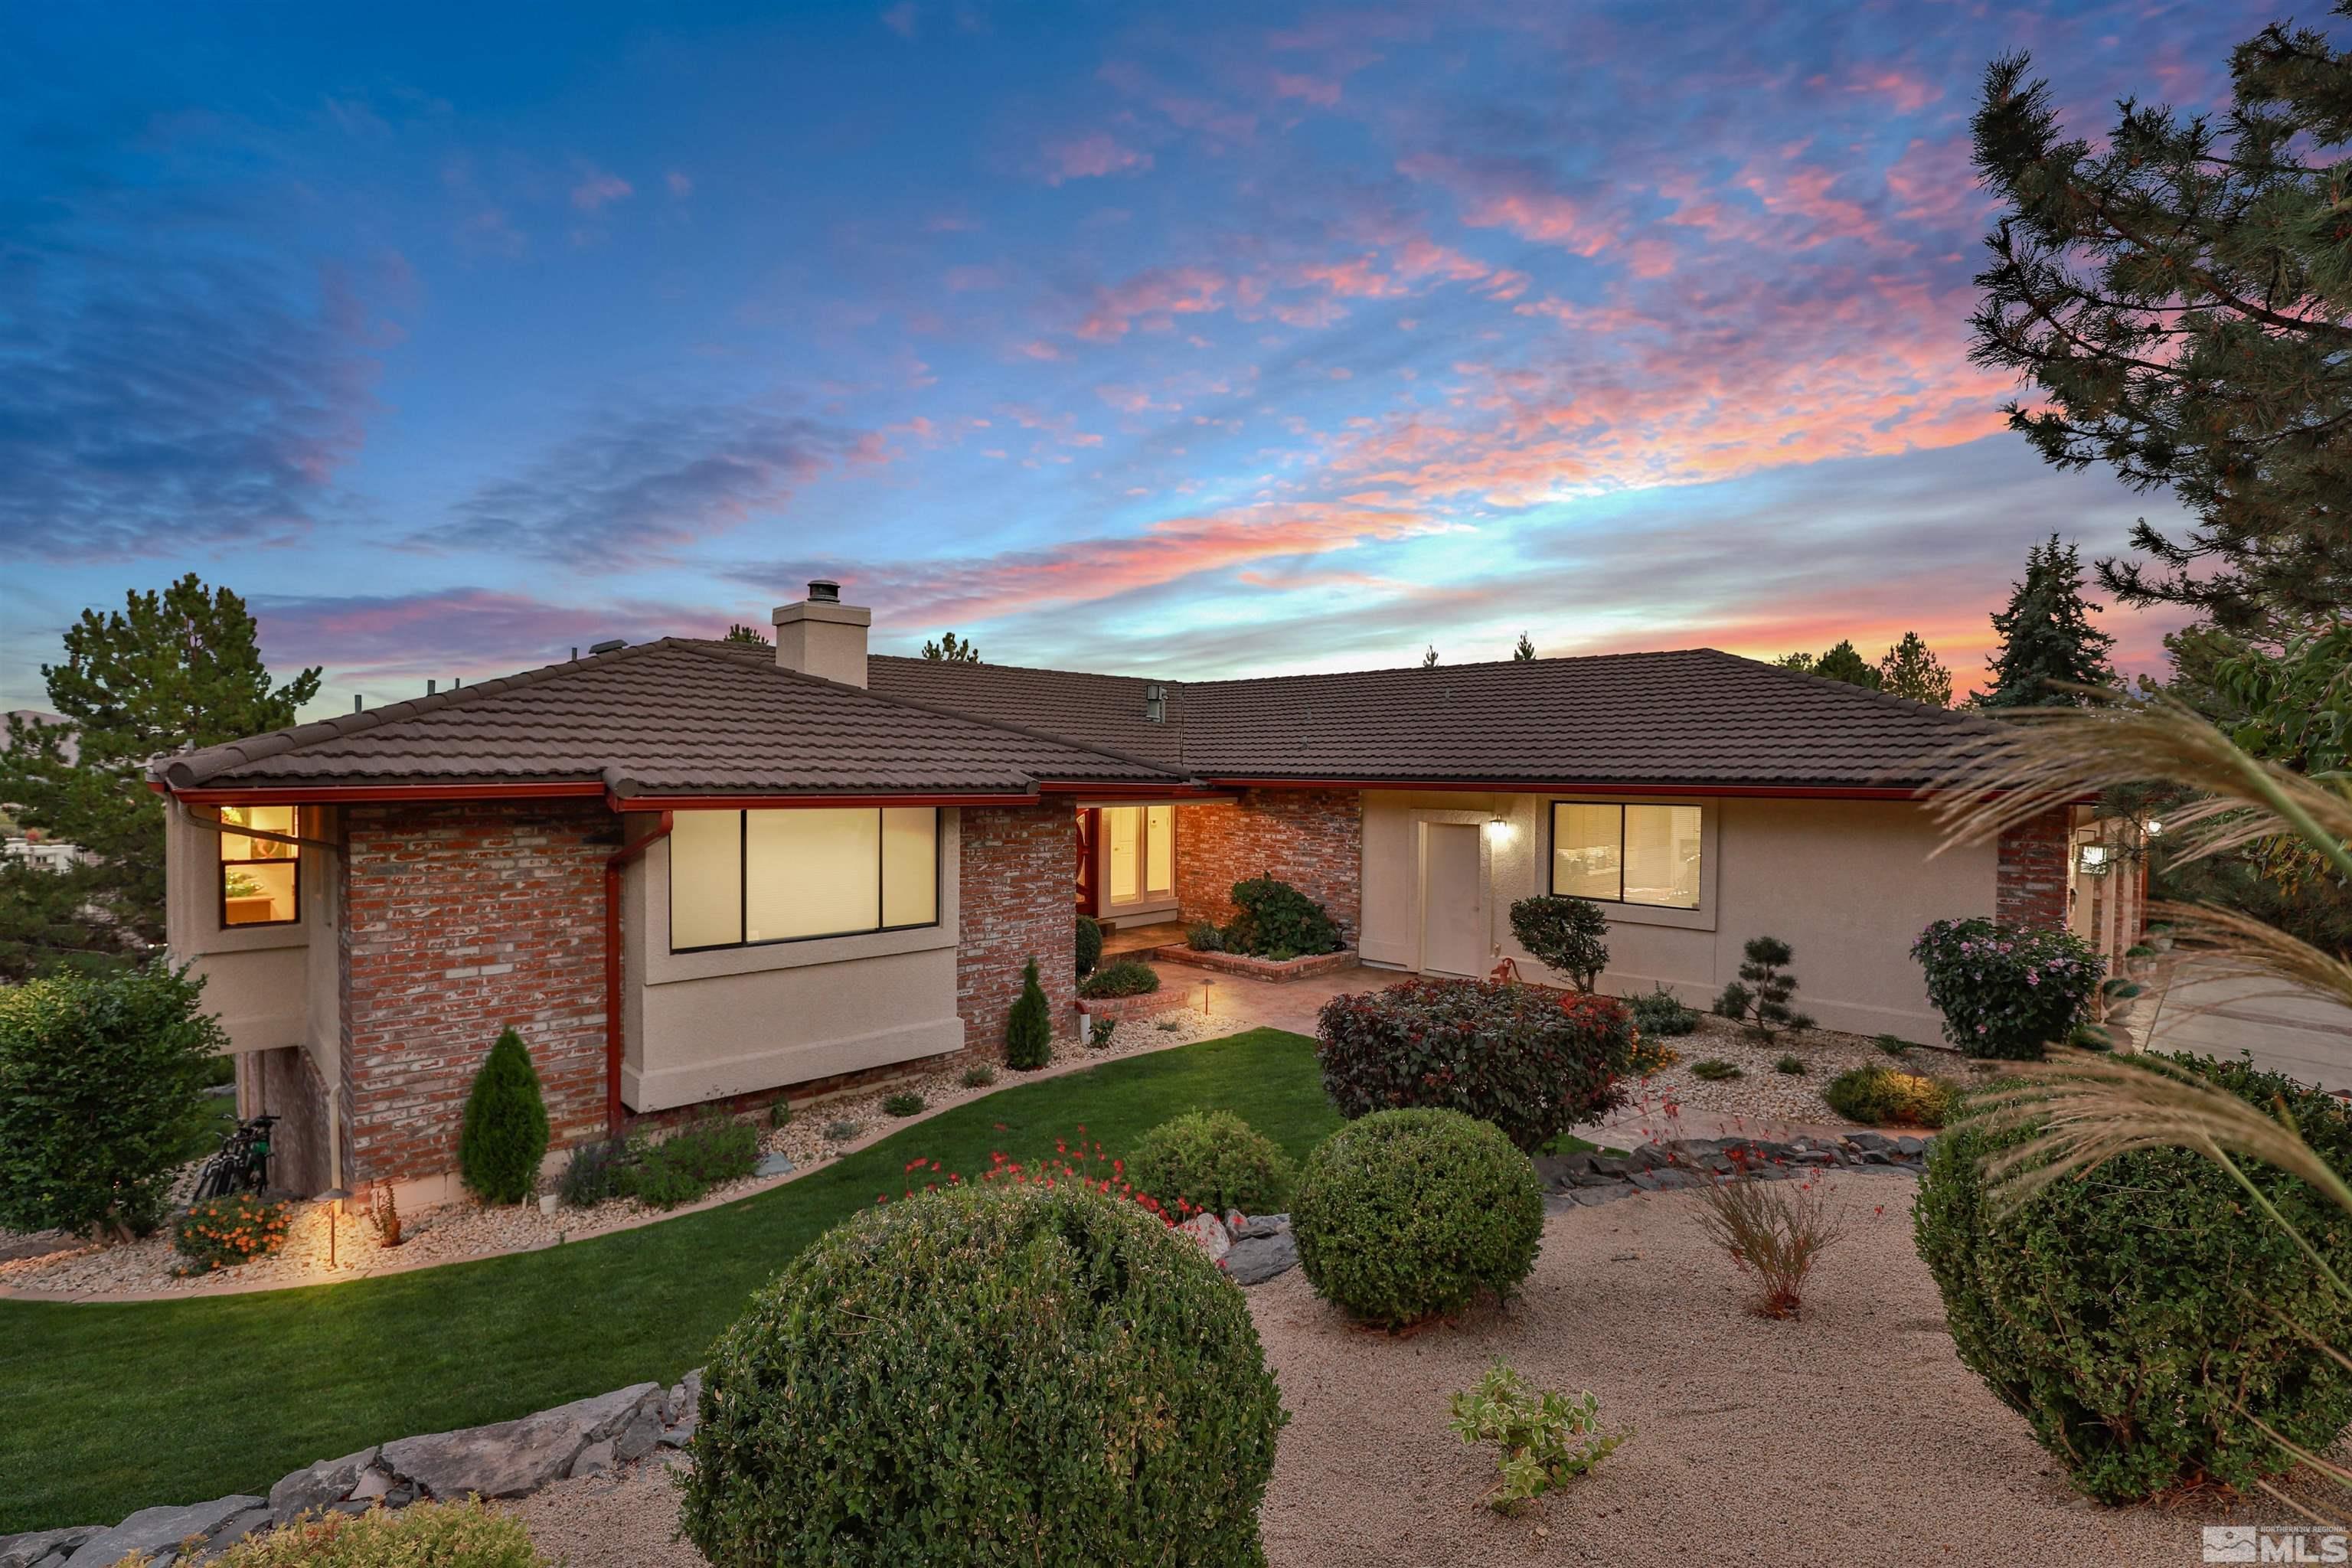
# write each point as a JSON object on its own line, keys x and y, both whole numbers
{"x": 1453, "y": 900}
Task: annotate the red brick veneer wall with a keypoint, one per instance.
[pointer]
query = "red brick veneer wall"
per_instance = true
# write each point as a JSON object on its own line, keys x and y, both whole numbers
{"x": 1311, "y": 839}
{"x": 1018, "y": 894}
{"x": 2031, "y": 887}
{"x": 458, "y": 921}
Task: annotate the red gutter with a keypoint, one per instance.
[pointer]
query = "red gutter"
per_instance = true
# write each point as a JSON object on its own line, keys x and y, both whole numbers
{"x": 668, "y": 802}
{"x": 612, "y": 1110}
{"x": 331, "y": 794}
{"x": 1554, "y": 786}
{"x": 1135, "y": 791}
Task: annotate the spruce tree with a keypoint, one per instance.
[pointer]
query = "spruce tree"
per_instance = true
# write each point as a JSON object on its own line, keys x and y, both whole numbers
{"x": 2047, "y": 640}
{"x": 1429, "y": 657}
{"x": 504, "y": 1135}
{"x": 739, "y": 632}
{"x": 1029, "y": 1032}
{"x": 1524, "y": 650}
{"x": 2179, "y": 295}
{"x": 1845, "y": 663}
{"x": 1910, "y": 671}
{"x": 182, "y": 668}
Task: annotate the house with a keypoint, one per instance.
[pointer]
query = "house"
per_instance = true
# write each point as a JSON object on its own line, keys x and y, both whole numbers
{"x": 692, "y": 871}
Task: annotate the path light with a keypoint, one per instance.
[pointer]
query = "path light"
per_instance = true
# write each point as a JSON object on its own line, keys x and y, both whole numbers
{"x": 334, "y": 1198}
{"x": 1206, "y": 986}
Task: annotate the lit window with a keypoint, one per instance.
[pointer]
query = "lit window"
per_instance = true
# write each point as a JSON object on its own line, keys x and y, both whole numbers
{"x": 1626, "y": 854}
{"x": 261, "y": 879}
{"x": 1142, "y": 852}
{"x": 742, "y": 877}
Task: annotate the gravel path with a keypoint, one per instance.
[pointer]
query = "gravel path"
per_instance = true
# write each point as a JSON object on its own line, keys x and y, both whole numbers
{"x": 1852, "y": 1436}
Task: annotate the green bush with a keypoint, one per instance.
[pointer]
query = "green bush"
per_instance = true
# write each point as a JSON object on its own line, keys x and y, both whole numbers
{"x": 1531, "y": 1061}
{"x": 504, "y": 1136}
{"x": 691, "y": 1161}
{"x": 595, "y": 1172}
{"x": 1715, "y": 1069}
{"x": 222, "y": 1232}
{"x": 1273, "y": 919}
{"x": 1565, "y": 934}
{"x": 1100, "y": 1031}
{"x": 1408, "y": 1213}
{"x": 842, "y": 1132}
{"x": 2146, "y": 1315}
{"x": 1029, "y": 1031}
{"x": 101, "y": 1097}
{"x": 1127, "y": 977}
{"x": 1211, "y": 1160}
{"x": 980, "y": 1075}
{"x": 1760, "y": 997}
{"x": 1794, "y": 1065}
{"x": 422, "y": 1536}
{"x": 1889, "y": 1097}
{"x": 1895, "y": 1045}
{"x": 1090, "y": 944}
{"x": 1544, "y": 1439}
{"x": 908, "y": 1104}
{"x": 1661, "y": 1012}
{"x": 987, "y": 1375}
{"x": 2007, "y": 993}
{"x": 1202, "y": 936}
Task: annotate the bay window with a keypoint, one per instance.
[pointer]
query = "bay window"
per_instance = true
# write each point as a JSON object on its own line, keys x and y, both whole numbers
{"x": 738, "y": 879}
{"x": 1626, "y": 854}
{"x": 261, "y": 878}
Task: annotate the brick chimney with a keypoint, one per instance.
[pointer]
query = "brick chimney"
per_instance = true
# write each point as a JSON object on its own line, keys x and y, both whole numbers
{"x": 821, "y": 635}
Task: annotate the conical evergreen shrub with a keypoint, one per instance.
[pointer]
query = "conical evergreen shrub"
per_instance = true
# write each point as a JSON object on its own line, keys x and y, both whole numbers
{"x": 505, "y": 1132}
{"x": 1029, "y": 1033}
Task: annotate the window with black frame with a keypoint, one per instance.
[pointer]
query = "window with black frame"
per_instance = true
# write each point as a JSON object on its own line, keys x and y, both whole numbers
{"x": 1617, "y": 853}
{"x": 744, "y": 879}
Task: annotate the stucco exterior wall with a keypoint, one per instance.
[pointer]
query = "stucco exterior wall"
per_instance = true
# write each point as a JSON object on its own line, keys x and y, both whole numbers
{"x": 714, "y": 1024}
{"x": 257, "y": 978}
{"x": 1847, "y": 884}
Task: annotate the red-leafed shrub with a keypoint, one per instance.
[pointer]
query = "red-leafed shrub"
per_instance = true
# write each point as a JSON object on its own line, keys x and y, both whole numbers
{"x": 1531, "y": 1061}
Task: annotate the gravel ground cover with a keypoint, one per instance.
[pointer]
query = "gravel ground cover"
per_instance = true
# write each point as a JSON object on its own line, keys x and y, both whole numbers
{"x": 1765, "y": 1094}
{"x": 1852, "y": 1436}
{"x": 449, "y": 1233}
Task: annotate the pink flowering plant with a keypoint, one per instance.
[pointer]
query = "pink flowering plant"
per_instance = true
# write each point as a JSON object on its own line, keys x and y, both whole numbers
{"x": 2005, "y": 993}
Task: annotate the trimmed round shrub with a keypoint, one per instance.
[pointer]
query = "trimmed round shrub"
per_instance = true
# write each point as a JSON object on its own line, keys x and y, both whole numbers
{"x": 1564, "y": 934}
{"x": 987, "y": 1375}
{"x": 2127, "y": 1313}
{"x": 1884, "y": 1096}
{"x": 2007, "y": 993}
{"x": 1273, "y": 919}
{"x": 1090, "y": 944}
{"x": 101, "y": 1097}
{"x": 1127, "y": 977}
{"x": 1533, "y": 1062}
{"x": 1410, "y": 1213}
{"x": 504, "y": 1135}
{"x": 1211, "y": 1160}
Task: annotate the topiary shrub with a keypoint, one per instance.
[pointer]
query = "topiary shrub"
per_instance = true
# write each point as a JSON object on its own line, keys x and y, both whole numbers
{"x": 101, "y": 1097}
{"x": 2004, "y": 992}
{"x": 1760, "y": 997}
{"x": 221, "y": 1233}
{"x": 1273, "y": 919}
{"x": 1532, "y": 1062}
{"x": 422, "y": 1536}
{"x": 2145, "y": 1315}
{"x": 1029, "y": 1031}
{"x": 1564, "y": 934}
{"x": 1090, "y": 944}
{"x": 1408, "y": 1213}
{"x": 1127, "y": 977}
{"x": 504, "y": 1135}
{"x": 987, "y": 1374}
{"x": 1211, "y": 1160}
{"x": 1889, "y": 1097}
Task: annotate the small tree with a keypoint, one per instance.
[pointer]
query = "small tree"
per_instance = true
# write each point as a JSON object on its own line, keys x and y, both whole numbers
{"x": 1524, "y": 650}
{"x": 1845, "y": 662}
{"x": 1429, "y": 657}
{"x": 102, "y": 1098}
{"x": 1090, "y": 944}
{"x": 1760, "y": 997}
{"x": 504, "y": 1136}
{"x": 739, "y": 632}
{"x": 1564, "y": 934}
{"x": 1029, "y": 1032}
{"x": 951, "y": 649}
{"x": 1800, "y": 661}
{"x": 1910, "y": 671}
{"x": 2047, "y": 640}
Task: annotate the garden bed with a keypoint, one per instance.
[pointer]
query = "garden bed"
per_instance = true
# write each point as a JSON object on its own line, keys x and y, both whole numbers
{"x": 1273, "y": 969}
{"x": 1764, "y": 1095}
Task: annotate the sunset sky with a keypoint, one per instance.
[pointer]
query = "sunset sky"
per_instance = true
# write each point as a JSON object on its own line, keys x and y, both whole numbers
{"x": 1190, "y": 340}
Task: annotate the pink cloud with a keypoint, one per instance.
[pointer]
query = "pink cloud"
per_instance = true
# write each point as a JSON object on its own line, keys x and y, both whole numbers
{"x": 1313, "y": 90}
{"x": 1092, "y": 157}
{"x": 1356, "y": 280}
{"x": 1152, "y": 299}
{"x": 597, "y": 190}
{"x": 680, "y": 182}
{"x": 1504, "y": 196}
{"x": 903, "y": 19}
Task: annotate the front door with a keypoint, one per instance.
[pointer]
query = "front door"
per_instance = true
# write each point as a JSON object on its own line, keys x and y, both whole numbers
{"x": 1453, "y": 900}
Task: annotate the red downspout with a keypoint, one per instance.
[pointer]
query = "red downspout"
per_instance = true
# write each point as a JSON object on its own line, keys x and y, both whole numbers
{"x": 613, "y": 1111}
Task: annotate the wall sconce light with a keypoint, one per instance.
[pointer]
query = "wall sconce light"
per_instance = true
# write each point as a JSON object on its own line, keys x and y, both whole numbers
{"x": 2092, "y": 859}
{"x": 1499, "y": 829}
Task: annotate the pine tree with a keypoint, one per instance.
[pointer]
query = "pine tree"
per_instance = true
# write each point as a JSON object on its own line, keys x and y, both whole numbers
{"x": 1909, "y": 669}
{"x": 179, "y": 668}
{"x": 1523, "y": 650}
{"x": 1429, "y": 659}
{"x": 1845, "y": 663}
{"x": 739, "y": 632}
{"x": 949, "y": 649}
{"x": 2047, "y": 640}
{"x": 1029, "y": 1031}
{"x": 1803, "y": 663}
{"x": 504, "y": 1135}
{"x": 2178, "y": 294}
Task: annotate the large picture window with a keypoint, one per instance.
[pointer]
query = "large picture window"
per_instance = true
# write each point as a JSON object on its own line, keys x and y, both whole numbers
{"x": 261, "y": 878}
{"x": 738, "y": 879}
{"x": 1617, "y": 854}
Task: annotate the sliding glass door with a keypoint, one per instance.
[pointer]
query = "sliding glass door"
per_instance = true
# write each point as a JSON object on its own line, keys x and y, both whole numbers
{"x": 1139, "y": 849}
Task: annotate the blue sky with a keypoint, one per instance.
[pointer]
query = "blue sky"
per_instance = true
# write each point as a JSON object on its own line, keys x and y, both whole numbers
{"x": 1219, "y": 338}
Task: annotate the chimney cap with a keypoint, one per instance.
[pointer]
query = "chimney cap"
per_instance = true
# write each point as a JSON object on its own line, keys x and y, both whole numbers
{"x": 823, "y": 591}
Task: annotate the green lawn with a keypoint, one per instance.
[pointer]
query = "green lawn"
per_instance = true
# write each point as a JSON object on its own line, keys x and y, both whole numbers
{"x": 113, "y": 1408}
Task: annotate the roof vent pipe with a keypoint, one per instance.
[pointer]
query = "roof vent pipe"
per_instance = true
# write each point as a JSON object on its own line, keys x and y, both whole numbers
{"x": 359, "y": 700}
{"x": 823, "y": 591}
{"x": 430, "y": 685}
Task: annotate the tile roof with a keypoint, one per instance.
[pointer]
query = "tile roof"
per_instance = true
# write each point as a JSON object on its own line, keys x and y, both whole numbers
{"x": 1695, "y": 717}
{"x": 672, "y": 716}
